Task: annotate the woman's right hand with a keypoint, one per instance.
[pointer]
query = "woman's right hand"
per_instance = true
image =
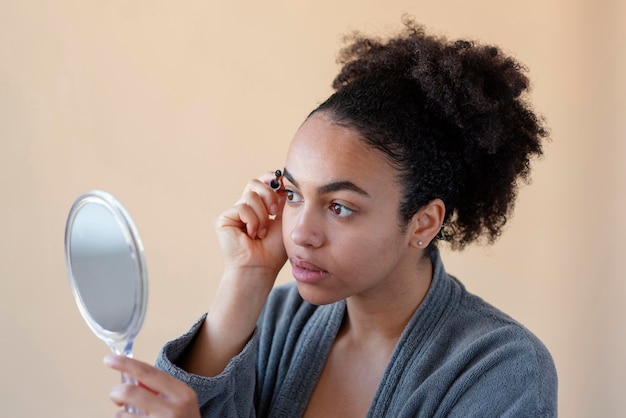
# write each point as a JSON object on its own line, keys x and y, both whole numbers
{"x": 250, "y": 233}
{"x": 250, "y": 236}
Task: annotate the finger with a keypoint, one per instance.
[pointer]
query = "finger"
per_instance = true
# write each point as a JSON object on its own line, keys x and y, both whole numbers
{"x": 268, "y": 177}
{"x": 268, "y": 196}
{"x": 139, "y": 397}
{"x": 261, "y": 213}
{"x": 241, "y": 217}
{"x": 251, "y": 213}
{"x": 150, "y": 377}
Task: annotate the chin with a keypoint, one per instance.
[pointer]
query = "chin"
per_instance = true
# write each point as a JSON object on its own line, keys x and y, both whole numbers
{"x": 316, "y": 296}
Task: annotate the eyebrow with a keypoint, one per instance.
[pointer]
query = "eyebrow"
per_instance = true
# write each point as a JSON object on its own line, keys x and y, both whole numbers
{"x": 330, "y": 187}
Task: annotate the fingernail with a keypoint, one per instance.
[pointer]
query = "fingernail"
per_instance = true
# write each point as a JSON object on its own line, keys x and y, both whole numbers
{"x": 115, "y": 394}
{"x": 109, "y": 359}
{"x": 262, "y": 233}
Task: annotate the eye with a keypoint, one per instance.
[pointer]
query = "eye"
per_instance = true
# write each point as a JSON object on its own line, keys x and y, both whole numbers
{"x": 340, "y": 210}
{"x": 292, "y": 196}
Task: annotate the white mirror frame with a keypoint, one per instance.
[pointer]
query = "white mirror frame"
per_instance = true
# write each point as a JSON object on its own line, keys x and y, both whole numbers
{"x": 119, "y": 342}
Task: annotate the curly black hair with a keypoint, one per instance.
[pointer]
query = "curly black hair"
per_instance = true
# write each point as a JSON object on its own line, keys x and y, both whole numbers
{"x": 450, "y": 116}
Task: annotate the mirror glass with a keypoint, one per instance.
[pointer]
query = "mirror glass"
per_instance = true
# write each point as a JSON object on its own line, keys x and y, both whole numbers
{"x": 106, "y": 269}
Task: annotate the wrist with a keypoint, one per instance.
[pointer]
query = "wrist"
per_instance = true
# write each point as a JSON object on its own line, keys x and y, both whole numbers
{"x": 239, "y": 300}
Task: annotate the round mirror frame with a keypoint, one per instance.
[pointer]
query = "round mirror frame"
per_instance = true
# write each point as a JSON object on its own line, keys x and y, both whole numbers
{"x": 120, "y": 342}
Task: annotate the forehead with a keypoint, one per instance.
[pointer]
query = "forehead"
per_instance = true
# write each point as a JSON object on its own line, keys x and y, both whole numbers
{"x": 323, "y": 151}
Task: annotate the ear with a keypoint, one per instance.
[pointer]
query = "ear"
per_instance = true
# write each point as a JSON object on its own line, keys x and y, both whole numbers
{"x": 426, "y": 223}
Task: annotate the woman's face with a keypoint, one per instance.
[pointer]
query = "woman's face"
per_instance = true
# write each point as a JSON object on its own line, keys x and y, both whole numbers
{"x": 340, "y": 222}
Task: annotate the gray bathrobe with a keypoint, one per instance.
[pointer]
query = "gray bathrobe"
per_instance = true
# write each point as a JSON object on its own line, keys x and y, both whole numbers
{"x": 457, "y": 357}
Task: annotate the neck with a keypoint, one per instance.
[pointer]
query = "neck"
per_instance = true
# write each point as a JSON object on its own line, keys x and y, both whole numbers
{"x": 384, "y": 312}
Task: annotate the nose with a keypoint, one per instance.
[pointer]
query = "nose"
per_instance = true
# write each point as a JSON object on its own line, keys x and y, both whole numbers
{"x": 306, "y": 230}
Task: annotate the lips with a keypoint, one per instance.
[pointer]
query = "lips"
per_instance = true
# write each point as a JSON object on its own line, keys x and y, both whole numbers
{"x": 307, "y": 272}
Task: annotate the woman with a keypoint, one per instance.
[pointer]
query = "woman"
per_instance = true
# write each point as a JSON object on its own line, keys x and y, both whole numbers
{"x": 424, "y": 140}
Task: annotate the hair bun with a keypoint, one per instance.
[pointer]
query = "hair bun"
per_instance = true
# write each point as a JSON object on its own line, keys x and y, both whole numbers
{"x": 453, "y": 114}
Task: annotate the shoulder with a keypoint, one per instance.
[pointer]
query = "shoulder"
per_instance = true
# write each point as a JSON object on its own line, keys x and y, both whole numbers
{"x": 476, "y": 321}
{"x": 499, "y": 357}
{"x": 472, "y": 351}
{"x": 469, "y": 322}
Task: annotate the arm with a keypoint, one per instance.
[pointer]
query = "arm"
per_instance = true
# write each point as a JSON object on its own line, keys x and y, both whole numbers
{"x": 253, "y": 252}
{"x": 213, "y": 365}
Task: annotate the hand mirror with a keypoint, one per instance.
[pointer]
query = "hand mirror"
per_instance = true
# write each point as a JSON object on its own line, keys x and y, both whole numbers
{"x": 106, "y": 269}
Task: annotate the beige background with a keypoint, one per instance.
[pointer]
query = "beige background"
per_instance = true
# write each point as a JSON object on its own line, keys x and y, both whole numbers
{"x": 172, "y": 106}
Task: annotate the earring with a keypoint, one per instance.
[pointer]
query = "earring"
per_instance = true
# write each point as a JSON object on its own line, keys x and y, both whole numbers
{"x": 420, "y": 243}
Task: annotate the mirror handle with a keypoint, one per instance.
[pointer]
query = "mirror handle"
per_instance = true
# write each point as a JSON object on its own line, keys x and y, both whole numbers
{"x": 129, "y": 408}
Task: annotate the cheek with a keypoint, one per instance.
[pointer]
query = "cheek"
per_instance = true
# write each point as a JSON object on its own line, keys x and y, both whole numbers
{"x": 287, "y": 222}
{"x": 372, "y": 251}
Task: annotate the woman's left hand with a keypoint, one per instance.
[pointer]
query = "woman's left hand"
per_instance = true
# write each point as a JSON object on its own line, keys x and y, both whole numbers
{"x": 157, "y": 395}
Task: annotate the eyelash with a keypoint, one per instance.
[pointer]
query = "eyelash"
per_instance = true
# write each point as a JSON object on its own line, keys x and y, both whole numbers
{"x": 334, "y": 206}
{"x": 290, "y": 195}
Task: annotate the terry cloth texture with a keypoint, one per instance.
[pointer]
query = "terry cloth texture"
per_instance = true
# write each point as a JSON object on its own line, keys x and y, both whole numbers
{"x": 457, "y": 357}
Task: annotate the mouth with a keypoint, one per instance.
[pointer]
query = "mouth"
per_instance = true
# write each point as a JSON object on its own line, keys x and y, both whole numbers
{"x": 307, "y": 272}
